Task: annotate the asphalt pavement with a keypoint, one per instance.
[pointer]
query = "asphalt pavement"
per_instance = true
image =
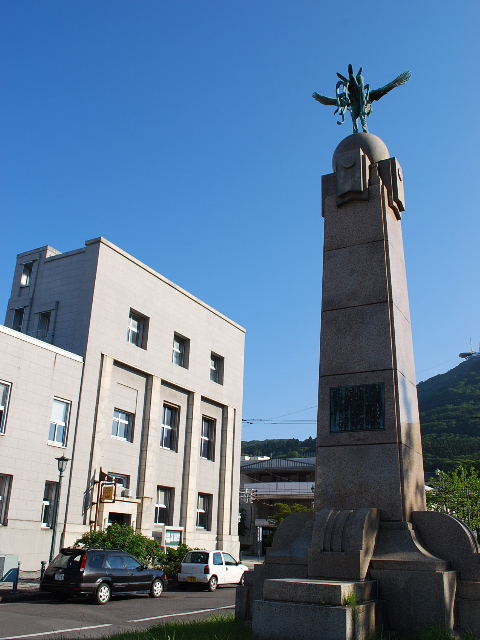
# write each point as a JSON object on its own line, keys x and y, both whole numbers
{"x": 48, "y": 619}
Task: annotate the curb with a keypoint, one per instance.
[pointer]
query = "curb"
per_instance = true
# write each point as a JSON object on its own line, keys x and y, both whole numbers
{"x": 26, "y": 596}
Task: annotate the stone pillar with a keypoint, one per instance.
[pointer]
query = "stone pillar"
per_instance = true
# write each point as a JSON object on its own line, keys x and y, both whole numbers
{"x": 188, "y": 510}
{"x": 369, "y": 451}
{"x": 149, "y": 446}
{"x": 227, "y": 518}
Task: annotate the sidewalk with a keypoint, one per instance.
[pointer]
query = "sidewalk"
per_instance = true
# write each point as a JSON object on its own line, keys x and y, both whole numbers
{"x": 251, "y": 561}
{"x": 27, "y": 588}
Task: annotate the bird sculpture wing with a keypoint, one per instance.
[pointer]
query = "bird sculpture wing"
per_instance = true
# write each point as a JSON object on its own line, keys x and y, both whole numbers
{"x": 376, "y": 94}
{"x": 329, "y": 102}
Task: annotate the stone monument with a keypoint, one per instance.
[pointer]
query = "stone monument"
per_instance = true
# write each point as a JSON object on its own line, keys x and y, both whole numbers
{"x": 370, "y": 557}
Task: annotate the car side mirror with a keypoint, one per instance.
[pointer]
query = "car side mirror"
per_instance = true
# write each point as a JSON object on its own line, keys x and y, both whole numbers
{"x": 141, "y": 568}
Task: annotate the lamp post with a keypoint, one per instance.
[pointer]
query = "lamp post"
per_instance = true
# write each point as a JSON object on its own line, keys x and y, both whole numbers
{"x": 62, "y": 465}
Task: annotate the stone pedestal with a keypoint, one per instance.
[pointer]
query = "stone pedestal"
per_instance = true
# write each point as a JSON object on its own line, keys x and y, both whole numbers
{"x": 312, "y": 609}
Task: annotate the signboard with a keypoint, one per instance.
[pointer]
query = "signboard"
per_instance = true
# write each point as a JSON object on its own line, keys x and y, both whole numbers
{"x": 107, "y": 492}
{"x": 360, "y": 408}
{"x": 173, "y": 537}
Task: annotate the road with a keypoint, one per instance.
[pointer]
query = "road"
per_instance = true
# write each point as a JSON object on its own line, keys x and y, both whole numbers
{"x": 49, "y": 619}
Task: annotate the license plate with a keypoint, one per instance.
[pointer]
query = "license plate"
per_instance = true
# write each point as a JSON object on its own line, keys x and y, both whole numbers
{"x": 192, "y": 579}
{"x": 59, "y": 576}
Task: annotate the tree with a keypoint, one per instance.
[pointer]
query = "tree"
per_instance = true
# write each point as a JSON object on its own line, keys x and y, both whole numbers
{"x": 458, "y": 494}
{"x": 285, "y": 510}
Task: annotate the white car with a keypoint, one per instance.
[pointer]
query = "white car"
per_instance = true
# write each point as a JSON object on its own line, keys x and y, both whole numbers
{"x": 211, "y": 568}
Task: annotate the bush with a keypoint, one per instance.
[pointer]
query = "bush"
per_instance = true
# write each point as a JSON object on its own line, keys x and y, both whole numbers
{"x": 146, "y": 550}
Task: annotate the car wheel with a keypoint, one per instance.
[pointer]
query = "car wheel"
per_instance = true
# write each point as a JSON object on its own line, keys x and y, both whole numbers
{"x": 103, "y": 593}
{"x": 156, "y": 589}
{"x": 213, "y": 583}
{"x": 241, "y": 582}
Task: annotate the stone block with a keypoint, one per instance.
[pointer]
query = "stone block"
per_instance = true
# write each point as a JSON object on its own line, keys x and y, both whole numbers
{"x": 469, "y": 615}
{"x": 341, "y": 478}
{"x": 415, "y": 600}
{"x": 243, "y": 603}
{"x": 342, "y": 543}
{"x": 452, "y": 540}
{"x": 354, "y": 276}
{"x": 310, "y": 591}
{"x": 352, "y": 176}
{"x": 355, "y": 222}
{"x": 289, "y": 530}
{"x": 356, "y": 339}
{"x": 286, "y": 620}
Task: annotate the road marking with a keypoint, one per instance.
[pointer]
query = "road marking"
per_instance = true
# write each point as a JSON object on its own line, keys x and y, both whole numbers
{"x": 48, "y": 633}
{"x": 176, "y": 615}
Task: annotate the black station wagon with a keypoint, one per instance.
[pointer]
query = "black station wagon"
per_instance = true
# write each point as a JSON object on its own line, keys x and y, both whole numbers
{"x": 99, "y": 573}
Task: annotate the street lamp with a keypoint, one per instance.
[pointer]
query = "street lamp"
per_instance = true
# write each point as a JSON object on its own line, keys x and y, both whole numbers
{"x": 62, "y": 465}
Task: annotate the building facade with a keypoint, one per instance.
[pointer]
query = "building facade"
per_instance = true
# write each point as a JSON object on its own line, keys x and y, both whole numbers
{"x": 159, "y": 416}
{"x": 263, "y": 484}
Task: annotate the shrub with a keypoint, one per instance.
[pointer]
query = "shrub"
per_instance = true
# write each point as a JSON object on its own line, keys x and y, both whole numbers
{"x": 146, "y": 550}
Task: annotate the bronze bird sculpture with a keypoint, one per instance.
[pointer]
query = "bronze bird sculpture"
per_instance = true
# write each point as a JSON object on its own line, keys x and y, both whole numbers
{"x": 354, "y": 95}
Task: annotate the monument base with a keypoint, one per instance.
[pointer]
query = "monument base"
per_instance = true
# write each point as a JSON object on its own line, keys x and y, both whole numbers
{"x": 317, "y": 609}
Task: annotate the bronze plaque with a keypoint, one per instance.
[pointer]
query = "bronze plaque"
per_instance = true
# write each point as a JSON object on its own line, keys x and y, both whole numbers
{"x": 360, "y": 408}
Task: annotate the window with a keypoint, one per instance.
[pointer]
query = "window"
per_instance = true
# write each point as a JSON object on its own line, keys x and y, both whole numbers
{"x": 5, "y": 487}
{"x": 131, "y": 564}
{"x": 207, "y": 439}
{"x": 122, "y": 425}
{"x": 59, "y": 423}
{"x": 26, "y": 274}
{"x": 217, "y": 559}
{"x": 229, "y": 561}
{"x": 122, "y": 481}
{"x": 216, "y": 368}
{"x": 168, "y": 436}
{"x": 18, "y": 319}
{"x": 137, "y": 329}
{"x": 181, "y": 348}
{"x": 203, "y": 511}
{"x": 163, "y": 510}
{"x": 48, "y": 506}
{"x": 4, "y": 401}
{"x": 43, "y": 325}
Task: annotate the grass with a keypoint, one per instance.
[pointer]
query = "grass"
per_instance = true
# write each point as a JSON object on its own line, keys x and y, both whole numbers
{"x": 214, "y": 628}
{"x": 227, "y": 628}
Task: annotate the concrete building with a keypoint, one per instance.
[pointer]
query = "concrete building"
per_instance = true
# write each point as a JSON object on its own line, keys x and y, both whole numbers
{"x": 159, "y": 415}
{"x": 264, "y": 482}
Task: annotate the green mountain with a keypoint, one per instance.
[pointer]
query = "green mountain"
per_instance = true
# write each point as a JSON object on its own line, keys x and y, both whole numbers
{"x": 449, "y": 415}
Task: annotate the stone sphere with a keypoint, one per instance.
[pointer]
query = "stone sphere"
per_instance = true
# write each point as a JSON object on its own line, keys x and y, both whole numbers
{"x": 372, "y": 146}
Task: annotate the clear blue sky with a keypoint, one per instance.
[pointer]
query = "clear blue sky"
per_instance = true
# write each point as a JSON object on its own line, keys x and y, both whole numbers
{"x": 185, "y": 133}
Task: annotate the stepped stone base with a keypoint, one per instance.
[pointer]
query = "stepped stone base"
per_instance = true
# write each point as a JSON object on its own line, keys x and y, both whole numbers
{"x": 314, "y": 609}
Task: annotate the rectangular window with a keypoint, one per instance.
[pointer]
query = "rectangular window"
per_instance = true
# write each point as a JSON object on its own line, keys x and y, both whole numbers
{"x": 48, "y": 505}
{"x": 18, "y": 319}
{"x": 163, "y": 506}
{"x": 216, "y": 368}
{"x": 122, "y": 483}
{"x": 181, "y": 348}
{"x": 137, "y": 329}
{"x": 207, "y": 439}
{"x": 26, "y": 274}
{"x": 168, "y": 436}
{"x": 59, "y": 423}
{"x": 43, "y": 325}
{"x": 5, "y": 489}
{"x": 204, "y": 506}
{"x": 122, "y": 425}
{"x": 5, "y": 388}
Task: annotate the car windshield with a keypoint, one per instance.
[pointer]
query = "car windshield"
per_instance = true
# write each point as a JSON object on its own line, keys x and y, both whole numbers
{"x": 196, "y": 557}
{"x": 67, "y": 560}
